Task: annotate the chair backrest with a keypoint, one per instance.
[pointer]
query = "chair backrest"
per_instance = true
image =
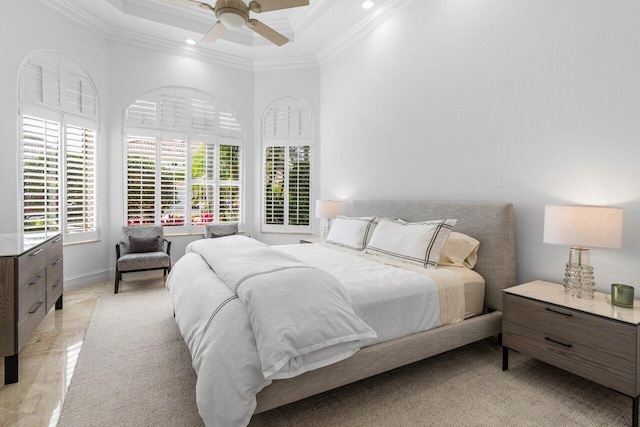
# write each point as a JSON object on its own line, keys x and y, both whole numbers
{"x": 220, "y": 229}
{"x": 138, "y": 231}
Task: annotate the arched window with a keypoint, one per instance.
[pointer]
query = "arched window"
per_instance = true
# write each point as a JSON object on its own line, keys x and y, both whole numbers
{"x": 183, "y": 160}
{"x": 58, "y": 134}
{"x": 287, "y": 146}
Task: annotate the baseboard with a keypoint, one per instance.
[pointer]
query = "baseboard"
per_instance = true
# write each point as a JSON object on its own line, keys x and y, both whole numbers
{"x": 87, "y": 279}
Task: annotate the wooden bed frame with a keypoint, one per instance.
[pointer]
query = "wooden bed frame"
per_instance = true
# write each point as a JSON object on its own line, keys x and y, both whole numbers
{"x": 490, "y": 223}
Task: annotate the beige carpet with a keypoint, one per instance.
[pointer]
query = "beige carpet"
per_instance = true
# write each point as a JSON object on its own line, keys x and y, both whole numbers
{"x": 134, "y": 369}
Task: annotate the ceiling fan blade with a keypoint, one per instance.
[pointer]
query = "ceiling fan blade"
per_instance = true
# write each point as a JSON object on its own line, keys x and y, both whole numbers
{"x": 214, "y": 33}
{"x": 267, "y": 32}
{"x": 192, "y": 3}
{"x": 269, "y": 5}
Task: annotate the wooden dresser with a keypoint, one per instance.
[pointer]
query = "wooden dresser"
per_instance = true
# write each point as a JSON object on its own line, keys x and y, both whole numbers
{"x": 589, "y": 337}
{"x": 30, "y": 284}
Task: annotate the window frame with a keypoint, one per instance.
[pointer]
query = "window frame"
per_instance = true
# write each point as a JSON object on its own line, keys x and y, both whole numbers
{"x": 286, "y": 141}
{"x": 62, "y": 91}
{"x": 200, "y": 116}
{"x": 63, "y": 120}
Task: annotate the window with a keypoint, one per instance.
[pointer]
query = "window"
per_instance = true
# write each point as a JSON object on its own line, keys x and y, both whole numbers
{"x": 183, "y": 160}
{"x": 287, "y": 141}
{"x": 57, "y": 107}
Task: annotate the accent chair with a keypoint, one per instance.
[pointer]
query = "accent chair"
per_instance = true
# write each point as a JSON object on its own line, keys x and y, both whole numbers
{"x": 142, "y": 248}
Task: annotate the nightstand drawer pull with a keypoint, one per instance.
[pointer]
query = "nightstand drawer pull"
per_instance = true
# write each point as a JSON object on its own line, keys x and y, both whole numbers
{"x": 35, "y": 307}
{"x": 57, "y": 239}
{"x": 557, "y": 342}
{"x": 57, "y": 283}
{"x": 34, "y": 281}
{"x": 36, "y": 252}
{"x": 58, "y": 261}
{"x": 558, "y": 312}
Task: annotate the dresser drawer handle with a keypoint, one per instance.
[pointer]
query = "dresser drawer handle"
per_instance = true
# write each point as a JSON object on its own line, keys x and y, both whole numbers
{"x": 57, "y": 239}
{"x": 58, "y": 261}
{"x": 35, "y": 307}
{"x": 37, "y": 252}
{"x": 36, "y": 280}
{"x": 559, "y": 312}
{"x": 558, "y": 342}
{"x": 57, "y": 283}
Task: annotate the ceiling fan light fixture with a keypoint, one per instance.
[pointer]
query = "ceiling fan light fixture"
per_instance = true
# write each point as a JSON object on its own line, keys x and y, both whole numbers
{"x": 368, "y": 4}
{"x": 232, "y": 18}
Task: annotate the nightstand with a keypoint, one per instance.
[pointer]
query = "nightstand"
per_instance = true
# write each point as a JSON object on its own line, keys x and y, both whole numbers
{"x": 587, "y": 337}
{"x": 311, "y": 240}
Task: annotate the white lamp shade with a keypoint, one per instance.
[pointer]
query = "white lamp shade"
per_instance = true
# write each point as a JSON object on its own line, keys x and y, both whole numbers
{"x": 583, "y": 226}
{"x": 328, "y": 208}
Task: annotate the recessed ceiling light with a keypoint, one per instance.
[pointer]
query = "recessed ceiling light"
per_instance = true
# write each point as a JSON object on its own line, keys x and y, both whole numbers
{"x": 190, "y": 41}
{"x": 368, "y": 4}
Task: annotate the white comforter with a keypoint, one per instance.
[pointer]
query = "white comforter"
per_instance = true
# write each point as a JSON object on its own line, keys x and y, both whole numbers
{"x": 225, "y": 355}
{"x": 296, "y": 318}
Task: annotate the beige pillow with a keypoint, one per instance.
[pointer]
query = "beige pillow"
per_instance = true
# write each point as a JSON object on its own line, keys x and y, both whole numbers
{"x": 459, "y": 250}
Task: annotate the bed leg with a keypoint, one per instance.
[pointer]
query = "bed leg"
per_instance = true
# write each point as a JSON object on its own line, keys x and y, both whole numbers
{"x": 505, "y": 358}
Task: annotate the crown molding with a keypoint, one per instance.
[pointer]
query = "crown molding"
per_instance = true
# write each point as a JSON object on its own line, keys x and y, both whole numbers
{"x": 370, "y": 23}
{"x": 78, "y": 16}
{"x": 298, "y": 23}
{"x": 123, "y": 36}
{"x": 296, "y": 62}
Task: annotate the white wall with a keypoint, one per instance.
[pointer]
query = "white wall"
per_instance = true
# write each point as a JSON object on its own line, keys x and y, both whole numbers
{"x": 27, "y": 26}
{"x": 530, "y": 102}
{"x": 271, "y": 85}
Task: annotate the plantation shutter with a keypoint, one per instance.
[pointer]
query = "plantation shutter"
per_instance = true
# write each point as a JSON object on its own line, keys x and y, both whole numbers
{"x": 287, "y": 135}
{"x": 58, "y": 106}
{"x": 80, "y": 163}
{"x": 198, "y": 158}
{"x": 229, "y": 181}
{"x": 173, "y": 186}
{"x": 274, "y": 192}
{"x": 299, "y": 184}
{"x": 203, "y": 180}
{"x": 141, "y": 180}
{"x": 40, "y": 175}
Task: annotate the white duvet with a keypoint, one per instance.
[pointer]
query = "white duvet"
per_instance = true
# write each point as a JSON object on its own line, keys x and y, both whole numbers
{"x": 234, "y": 356}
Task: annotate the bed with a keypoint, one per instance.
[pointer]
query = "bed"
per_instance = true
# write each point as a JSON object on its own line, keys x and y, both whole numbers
{"x": 490, "y": 223}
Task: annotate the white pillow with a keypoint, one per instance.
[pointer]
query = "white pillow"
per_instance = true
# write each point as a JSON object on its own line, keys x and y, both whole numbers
{"x": 352, "y": 232}
{"x": 460, "y": 250}
{"x": 413, "y": 242}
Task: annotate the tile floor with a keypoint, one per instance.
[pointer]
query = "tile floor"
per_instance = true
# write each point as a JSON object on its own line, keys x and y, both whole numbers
{"x": 47, "y": 361}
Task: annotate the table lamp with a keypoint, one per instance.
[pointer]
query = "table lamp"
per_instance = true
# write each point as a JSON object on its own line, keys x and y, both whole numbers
{"x": 582, "y": 227}
{"x": 328, "y": 209}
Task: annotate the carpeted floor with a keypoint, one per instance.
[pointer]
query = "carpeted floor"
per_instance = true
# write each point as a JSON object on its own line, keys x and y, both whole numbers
{"x": 134, "y": 369}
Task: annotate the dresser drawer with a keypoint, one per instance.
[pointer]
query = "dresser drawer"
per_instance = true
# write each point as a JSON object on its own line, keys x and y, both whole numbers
{"x": 54, "y": 249}
{"x": 596, "y": 365}
{"x": 606, "y": 335}
{"x": 54, "y": 284}
{"x": 29, "y": 294}
{"x": 30, "y": 321}
{"x": 30, "y": 263}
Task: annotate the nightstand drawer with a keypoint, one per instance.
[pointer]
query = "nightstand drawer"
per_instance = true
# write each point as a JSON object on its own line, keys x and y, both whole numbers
{"x": 567, "y": 325}
{"x": 587, "y": 362}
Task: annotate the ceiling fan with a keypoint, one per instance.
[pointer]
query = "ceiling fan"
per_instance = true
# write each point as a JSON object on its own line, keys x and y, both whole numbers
{"x": 235, "y": 14}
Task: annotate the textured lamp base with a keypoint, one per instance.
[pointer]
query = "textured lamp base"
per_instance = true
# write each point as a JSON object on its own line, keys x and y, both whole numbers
{"x": 578, "y": 275}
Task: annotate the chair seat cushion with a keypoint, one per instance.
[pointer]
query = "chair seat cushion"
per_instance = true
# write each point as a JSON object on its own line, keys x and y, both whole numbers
{"x": 143, "y": 261}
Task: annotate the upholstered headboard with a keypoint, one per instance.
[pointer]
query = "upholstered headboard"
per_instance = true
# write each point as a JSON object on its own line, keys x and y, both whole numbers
{"x": 490, "y": 223}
